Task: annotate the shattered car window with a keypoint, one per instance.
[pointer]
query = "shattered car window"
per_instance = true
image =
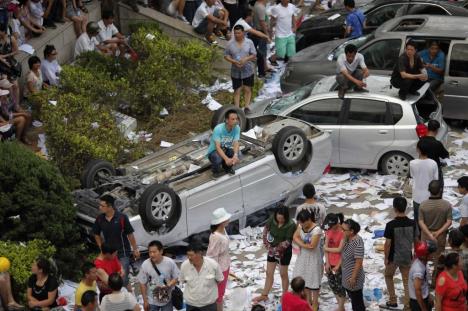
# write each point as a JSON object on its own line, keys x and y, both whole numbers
{"x": 286, "y": 101}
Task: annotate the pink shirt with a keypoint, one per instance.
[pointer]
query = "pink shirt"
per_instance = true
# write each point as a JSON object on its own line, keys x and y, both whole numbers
{"x": 218, "y": 249}
{"x": 334, "y": 240}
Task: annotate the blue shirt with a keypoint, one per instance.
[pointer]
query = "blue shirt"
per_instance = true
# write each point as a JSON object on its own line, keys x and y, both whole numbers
{"x": 438, "y": 61}
{"x": 355, "y": 20}
{"x": 224, "y": 137}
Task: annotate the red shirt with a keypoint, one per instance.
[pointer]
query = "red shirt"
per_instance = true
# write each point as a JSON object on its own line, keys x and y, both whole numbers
{"x": 452, "y": 292}
{"x": 291, "y": 302}
{"x": 334, "y": 240}
{"x": 110, "y": 266}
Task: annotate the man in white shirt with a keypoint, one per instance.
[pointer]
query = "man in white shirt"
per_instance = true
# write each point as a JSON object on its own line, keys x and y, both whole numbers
{"x": 87, "y": 40}
{"x": 109, "y": 35}
{"x": 50, "y": 67}
{"x": 246, "y": 20}
{"x": 351, "y": 70}
{"x": 207, "y": 19}
{"x": 423, "y": 171}
{"x": 283, "y": 17}
{"x": 201, "y": 275}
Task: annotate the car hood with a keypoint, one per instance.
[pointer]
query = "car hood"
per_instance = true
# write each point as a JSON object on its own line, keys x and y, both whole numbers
{"x": 257, "y": 108}
{"x": 317, "y": 52}
{"x": 326, "y": 19}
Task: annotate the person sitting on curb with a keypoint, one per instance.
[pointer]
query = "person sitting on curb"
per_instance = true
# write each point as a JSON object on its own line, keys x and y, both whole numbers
{"x": 207, "y": 20}
{"x": 409, "y": 73}
{"x": 109, "y": 35}
{"x": 351, "y": 71}
{"x": 295, "y": 300}
{"x": 224, "y": 144}
{"x": 87, "y": 41}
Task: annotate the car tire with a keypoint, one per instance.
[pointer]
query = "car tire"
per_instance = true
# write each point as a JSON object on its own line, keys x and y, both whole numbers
{"x": 290, "y": 146}
{"x": 218, "y": 116}
{"x": 158, "y": 205}
{"x": 91, "y": 174}
{"x": 395, "y": 163}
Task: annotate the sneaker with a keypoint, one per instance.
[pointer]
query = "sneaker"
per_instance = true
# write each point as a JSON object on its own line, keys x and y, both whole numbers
{"x": 341, "y": 92}
{"x": 273, "y": 62}
{"x": 231, "y": 171}
{"x": 218, "y": 174}
{"x": 247, "y": 110}
{"x": 49, "y": 24}
{"x": 211, "y": 40}
{"x": 182, "y": 18}
{"x": 360, "y": 90}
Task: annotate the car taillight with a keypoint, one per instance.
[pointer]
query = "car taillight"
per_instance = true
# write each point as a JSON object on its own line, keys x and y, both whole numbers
{"x": 421, "y": 130}
{"x": 327, "y": 169}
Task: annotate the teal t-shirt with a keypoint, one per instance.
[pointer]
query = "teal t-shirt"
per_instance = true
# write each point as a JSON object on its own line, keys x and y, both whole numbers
{"x": 221, "y": 134}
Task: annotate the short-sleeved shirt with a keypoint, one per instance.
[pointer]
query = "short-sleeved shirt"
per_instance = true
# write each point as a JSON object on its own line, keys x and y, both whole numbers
{"x": 85, "y": 44}
{"x": 201, "y": 288}
{"x": 260, "y": 15}
{"x": 36, "y": 81}
{"x": 239, "y": 51}
{"x": 291, "y": 302}
{"x": 224, "y": 137}
{"x": 438, "y": 61}
{"x": 402, "y": 233}
{"x": 318, "y": 209}
{"x": 423, "y": 171}
{"x": 352, "y": 250}
{"x": 283, "y": 17}
{"x": 115, "y": 232}
{"x": 435, "y": 149}
{"x": 201, "y": 13}
{"x": 82, "y": 288}
{"x": 110, "y": 266}
{"x": 355, "y": 20}
{"x": 404, "y": 65}
{"x": 106, "y": 32}
{"x": 464, "y": 206}
{"x": 218, "y": 249}
{"x": 453, "y": 292}
{"x": 243, "y": 23}
{"x": 342, "y": 63}
{"x": 41, "y": 293}
{"x": 435, "y": 212}
{"x": 118, "y": 301}
{"x": 418, "y": 270}
{"x": 148, "y": 276}
{"x": 334, "y": 239}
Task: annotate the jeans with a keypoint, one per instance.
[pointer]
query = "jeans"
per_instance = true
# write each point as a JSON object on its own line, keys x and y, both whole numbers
{"x": 414, "y": 305}
{"x": 167, "y": 307}
{"x": 357, "y": 300}
{"x": 211, "y": 307}
{"x": 390, "y": 270}
{"x": 344, "y": 83}
{"x": 216, "y": 160}
{"x": 125, "y": 262}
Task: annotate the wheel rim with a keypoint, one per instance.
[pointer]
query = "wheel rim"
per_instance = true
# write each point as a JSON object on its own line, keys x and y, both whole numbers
{"x": 101, "y": 176}
{"x": 397, "y": 165}
{"x": 161, "y": 206}
{"x": 293, "y": 147}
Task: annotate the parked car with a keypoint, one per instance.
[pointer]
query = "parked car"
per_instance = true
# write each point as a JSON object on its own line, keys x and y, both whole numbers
{"x": 374, "y": 130}
{"x": 331, "y": 24}
{"x": 170, "y": 195}
{"x": 381, "y": 50}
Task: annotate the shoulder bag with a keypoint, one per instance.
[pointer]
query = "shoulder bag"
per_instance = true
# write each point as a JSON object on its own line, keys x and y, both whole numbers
{"x": 177, "y": 297}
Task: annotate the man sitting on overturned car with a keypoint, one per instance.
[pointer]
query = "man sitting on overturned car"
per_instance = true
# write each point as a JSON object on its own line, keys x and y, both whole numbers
{"x": 409, "y": 73}
{"x": 224, "y": 144}
{"x": 351, "y": 71}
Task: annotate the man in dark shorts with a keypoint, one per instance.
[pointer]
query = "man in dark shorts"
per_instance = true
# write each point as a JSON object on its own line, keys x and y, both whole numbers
{"x": 241, "y": 53}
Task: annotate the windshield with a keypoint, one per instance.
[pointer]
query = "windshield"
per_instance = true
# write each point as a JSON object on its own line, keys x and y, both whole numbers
{"x": 280, "y": 104}
{"x": 358, "y": 42}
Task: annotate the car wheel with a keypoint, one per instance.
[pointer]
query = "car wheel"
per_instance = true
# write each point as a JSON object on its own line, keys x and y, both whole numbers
{"x": 218, "y": 116}
{"x": 96, "y": 173}
{"x": 395, "y": 163}
{"x": 290, "y": 146}
{"x": 158, "y": 205}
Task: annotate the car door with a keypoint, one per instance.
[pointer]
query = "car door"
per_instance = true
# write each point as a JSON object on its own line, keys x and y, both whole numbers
{"x": 381, "y": 55}
{"x": 366, "y": 131}
{"x": 381, "y": 14}
{"x": 326, "y": 114}
{"x": 224, "y": 191}
{"x": 455, "y": 103}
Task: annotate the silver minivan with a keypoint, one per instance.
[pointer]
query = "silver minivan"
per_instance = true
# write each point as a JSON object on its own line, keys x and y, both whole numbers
{"x": 374, "y": 130}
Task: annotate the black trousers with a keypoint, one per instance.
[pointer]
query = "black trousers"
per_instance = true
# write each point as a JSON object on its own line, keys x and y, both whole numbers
{"x": 261, "y": 48}
{"x": 357, "y": 300}
{"x": 406, "y": 85}
{"x": 414, "y": 305}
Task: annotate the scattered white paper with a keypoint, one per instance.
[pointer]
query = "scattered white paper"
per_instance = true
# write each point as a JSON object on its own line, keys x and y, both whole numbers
{"x": 164, "y": 112}
{"x": 166, "y": 144}
{"x": 53, "y": 102}
{"x": 150, "y": 36}
{"x": 37, "y": 123}
{"x": 334, "y": 16}
{"x": 193, "y": 167}
{"x": 27, "y": 48}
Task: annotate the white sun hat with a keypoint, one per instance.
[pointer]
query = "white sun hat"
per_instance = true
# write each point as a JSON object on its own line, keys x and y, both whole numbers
{"x": 219, "y": 216}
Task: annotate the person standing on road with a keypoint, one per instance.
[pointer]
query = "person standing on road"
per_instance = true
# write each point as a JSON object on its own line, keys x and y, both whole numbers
{"x": 224, "y": 145}
{"x": 451, "y": 286}
{"x": 435, "y": 149}
{"x": 241, "y": 53}
{"x": 351, "y": 70}
{"x": 284, "y": 22}
{"x": 311, "y": 204}
{"x": 418, "y": 284}
{"x": 400, "y": 235}
{"x": 463, "y": 189}
{"x": 354, "y": 21}
{"x": 434, "y": 220}
{"x": 260, "y": 23}
{"x": 278, "y": 234}
{"x": 202, "y": 276}
{"x": 218, "y": 249}
{"x": 409, "y": 73}
{"x": 423, "y": 170}
{"x": 352, "y": 258}
{"x": 309, "y": 263}
{"x": 157, "y": 277}
{"x": 117, "y": 231}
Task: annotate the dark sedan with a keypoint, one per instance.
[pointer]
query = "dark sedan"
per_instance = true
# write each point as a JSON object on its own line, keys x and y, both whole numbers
{"x": 330, "y": 25}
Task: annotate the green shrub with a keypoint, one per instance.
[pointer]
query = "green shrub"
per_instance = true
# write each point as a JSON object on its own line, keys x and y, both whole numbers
{"x": 22, "y": 255}
{"x": 36, "y": 204}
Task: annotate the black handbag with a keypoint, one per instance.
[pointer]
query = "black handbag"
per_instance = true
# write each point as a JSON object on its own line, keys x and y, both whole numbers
{"x": 177, "y": 296}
